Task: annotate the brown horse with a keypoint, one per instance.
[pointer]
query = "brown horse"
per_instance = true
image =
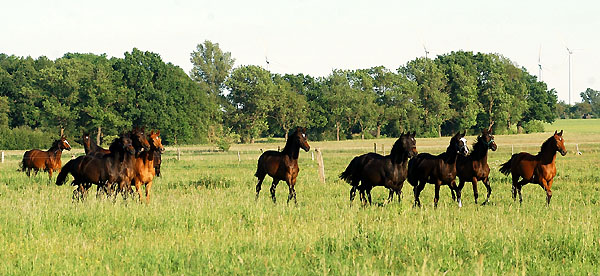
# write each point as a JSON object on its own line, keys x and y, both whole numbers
{"x": 125, "y": 178}
{"x": 100, "y": 170}
{"x": 439, "y": 169}
{"x": 539, "y": 169}
{"x": 282, "y": 165}
{"x": 90, "y": 146}
{"x": 48, "y": 161}
{"x": 372, "y": 169}
{"x": 144, "y": 166}
{"x": 474, "y": 167}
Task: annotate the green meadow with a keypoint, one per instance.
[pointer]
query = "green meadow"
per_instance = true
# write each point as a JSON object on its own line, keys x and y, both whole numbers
{"x": 203, "y": 218}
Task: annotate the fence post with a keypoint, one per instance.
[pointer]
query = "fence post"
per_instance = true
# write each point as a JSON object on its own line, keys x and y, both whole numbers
{"x": 321, "y": 165}
{"x": 375, "y": 147}
{"x": 576, "y": 145}
{"x": 382, "y": 149}
{"x": 512, "y": 149}
{"x": 312, "y": 156}
{"x": 239, "y": 157}
{"x": 178, "y": 154}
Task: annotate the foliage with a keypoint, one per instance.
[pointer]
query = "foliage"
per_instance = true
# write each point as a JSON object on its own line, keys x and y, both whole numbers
{"x": 533, "y": 126}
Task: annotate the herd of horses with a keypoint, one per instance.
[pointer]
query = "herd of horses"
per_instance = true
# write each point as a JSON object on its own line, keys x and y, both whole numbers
{"x": 134, "y": 159}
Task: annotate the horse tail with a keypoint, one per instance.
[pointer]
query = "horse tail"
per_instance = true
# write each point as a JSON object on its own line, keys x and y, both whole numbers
{"x": 412, "y": 179}
{"x": 66, "y": 169}
{"x": 351, "y": 171}
{"x": 259, "y": 172}
{"x": 505, "y": 168}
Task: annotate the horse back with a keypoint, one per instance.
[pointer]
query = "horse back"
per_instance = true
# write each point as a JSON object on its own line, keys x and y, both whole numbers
{"x": 524, "y": 164}
{"x": 277, "y": 164}
{"x": 36, "y": 159}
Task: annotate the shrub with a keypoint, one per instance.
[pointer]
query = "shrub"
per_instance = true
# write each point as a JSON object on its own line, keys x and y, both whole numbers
{"x": 25, "y": 138}
{"x": 533, "y": 126}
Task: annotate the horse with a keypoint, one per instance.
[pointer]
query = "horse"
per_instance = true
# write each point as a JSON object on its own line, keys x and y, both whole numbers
{"x": 539, "y": 169}
{"x": 48, "y": 161}
{"x": 90, "y": 146}
{"x": 372, "y": 169}
{"x": 144, "y": 166}
{"x": 282, "y": 165}
{"x": 100, "y": 170}
{"x": 140, "y": 144}
{"x": 474, "y": 167}
{"x": 439, "y": 169}
{"x": 157, "y": 161}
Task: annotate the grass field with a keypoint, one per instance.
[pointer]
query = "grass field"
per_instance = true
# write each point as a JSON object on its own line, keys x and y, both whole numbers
{"x": 203, "y": 219}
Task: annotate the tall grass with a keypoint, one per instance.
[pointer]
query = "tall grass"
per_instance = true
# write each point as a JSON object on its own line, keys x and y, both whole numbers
{"x": 203, "y": 219}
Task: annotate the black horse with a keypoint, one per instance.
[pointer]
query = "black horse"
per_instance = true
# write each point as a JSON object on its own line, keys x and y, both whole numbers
{"x": 437, "y": 169}
{"x": 474, "y": 167}
{"x": 90, "y": 146}
{"x": 282, "y": 165}
{"x": 372, "y": 169}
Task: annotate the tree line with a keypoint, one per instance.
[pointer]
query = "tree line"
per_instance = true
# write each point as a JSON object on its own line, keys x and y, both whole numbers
{"x": 217, "y": 103}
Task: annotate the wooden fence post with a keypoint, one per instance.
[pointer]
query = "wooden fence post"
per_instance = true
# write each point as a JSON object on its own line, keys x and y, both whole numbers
{"x": 312, "y": 156}
{"x": 375, "y": 147}
{"x": 178, "y": 154}
{"x": 239, "y": 157}
{"x": 321, "y": 165}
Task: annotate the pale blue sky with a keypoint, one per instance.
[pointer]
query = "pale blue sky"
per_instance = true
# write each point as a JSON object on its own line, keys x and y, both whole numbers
{"x": 314, "y": 37}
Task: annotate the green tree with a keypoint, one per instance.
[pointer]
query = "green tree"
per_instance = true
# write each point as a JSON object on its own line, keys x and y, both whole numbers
{"x": 290, "y": 108}
{"x": 434, "y": 102}
{"x": 541, "y": 102}
{"x": 592, "y": 97}
{"x": 252, "y": 96}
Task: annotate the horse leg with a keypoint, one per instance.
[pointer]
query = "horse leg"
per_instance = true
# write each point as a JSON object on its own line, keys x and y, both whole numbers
{"x": 148, "y": 187}
{"x": 436, "y": 197}
{"x": 486, "y": 182}
{"x": 138, "y": 189}
{"x": 273, "y": 187}
{"x": 390, "y": 196}
{"x": 291, "y": 183}
{"x": 417, "y": 191}
{"x": 363, "y": 198}
{"x": 452, "y": 194}
{"x": 515, "y": 181}
{"x": 261, "y": 177}
{"x": 458, "y": 192}
{"x": 352, "y": 194}
{"x": 475, "y": 192}
{"x": 546, "y": 185}
{"x": 369, "y": 194}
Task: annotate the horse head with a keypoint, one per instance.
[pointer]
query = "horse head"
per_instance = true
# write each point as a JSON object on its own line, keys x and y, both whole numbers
{"x": 560, "y": 143}
{"x": 459, "y": 142}
{"x": 64, "y": 144}
{"x": 155, "y": 141}
{"x": 408, "y": 143}
{"x": 140, "y": 143}
{"x": 488, "y": 139}
{"x": 300, "y": 136}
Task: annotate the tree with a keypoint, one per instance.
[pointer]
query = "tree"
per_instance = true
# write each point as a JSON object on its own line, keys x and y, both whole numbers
{"x": 252, "y": 96}
{"x": 431, "y": 86}
{"x": 211, "y": 65}
{"x": 541, "y": 102}
{"x": 290, "y": 108}
{"x": 592, "y": 97}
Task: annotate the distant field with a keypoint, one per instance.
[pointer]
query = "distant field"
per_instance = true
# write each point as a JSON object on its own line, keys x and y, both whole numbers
{"x": 203, "y": 219}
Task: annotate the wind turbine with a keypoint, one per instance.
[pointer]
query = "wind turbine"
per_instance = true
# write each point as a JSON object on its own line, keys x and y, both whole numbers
{"x": 426, "y": 52}
{"x": 570, "y": 53}
{"x": 267, "y": 61}
{"x": 540, "y": 64}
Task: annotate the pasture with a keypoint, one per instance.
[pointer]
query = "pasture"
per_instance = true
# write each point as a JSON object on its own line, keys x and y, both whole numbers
{"x": 203, "y": 218}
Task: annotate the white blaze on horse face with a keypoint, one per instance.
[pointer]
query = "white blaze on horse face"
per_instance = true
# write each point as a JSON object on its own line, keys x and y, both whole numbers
{"x": 465, "y": 144}
{"x": 67, "y": 142}
{"x": 303, "y": 135}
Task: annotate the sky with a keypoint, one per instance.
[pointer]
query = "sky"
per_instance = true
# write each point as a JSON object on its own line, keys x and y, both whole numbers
{"x": 315, "y": 37}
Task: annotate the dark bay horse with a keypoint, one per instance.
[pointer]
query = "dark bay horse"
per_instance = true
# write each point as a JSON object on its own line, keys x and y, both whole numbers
{"x": 282, "y": 165}
{"x": 372, "y": 169}
{"x": 539, "y": 169}
{"x": 437, "y": 169}
{"x": 474, "y": 167}
{"x": 90, "y": 146}
{"x": 144, "y": 166}
{"x": 100, "y": 170}
{"x": 48, "y": 161}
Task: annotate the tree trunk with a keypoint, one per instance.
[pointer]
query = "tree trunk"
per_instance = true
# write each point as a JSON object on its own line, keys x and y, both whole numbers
{"x": 98, "y": 135}
{"x": 286, "y": 135}
{"x": 337, "y": 130}
{"x": 378, "y": 131}
{"x": 251, "y": 140}
{"x": 62, "y": 131}
{"x": 439, "y": 130}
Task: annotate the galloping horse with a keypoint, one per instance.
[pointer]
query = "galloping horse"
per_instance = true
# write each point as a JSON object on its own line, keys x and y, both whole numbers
{"x": 539, "y": 169}
{"x": 140, "y": 144}
{"x": 282, "y": 165}
{"x": 48, "y": 161}
{"x": 90, "y": 146}
{"x": 100, "y": 170}
{"x": 474, "y": 167}
{"x": 144, "y": 166}
{"x": 372, "y": 169}
{"x": 438, "y": 170}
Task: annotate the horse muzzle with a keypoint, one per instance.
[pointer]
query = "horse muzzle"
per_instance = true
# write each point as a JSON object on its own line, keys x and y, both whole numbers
{"x": 563, "y": 153}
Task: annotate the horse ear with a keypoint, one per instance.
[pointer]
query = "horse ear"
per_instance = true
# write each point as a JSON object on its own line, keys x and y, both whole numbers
{"x": 158, "y": 132}
{"x": 560, "y": 134}
{"x": 464, "y": 133}
{"x": 414, "y": 133}
{"x": 304, "y": 130}
{"x": 555, "y": 132}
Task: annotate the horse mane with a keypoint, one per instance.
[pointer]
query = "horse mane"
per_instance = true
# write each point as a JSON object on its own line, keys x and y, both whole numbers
{"x": 479, "y": 149}
{"x": 545, "y": 146}
{"x": 117, "y": 144}
{"x": 54, "y": 146}
{"x": 291, "y": 145}
{"x": 398, "y": 152}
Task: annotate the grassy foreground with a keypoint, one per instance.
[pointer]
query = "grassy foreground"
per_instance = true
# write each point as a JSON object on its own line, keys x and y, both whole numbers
{"x": 203, "y": 219}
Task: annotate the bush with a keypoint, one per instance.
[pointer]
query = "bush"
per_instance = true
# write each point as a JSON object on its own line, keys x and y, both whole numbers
{"x": 21, "y": 138}
{"x": 533, "y": 126}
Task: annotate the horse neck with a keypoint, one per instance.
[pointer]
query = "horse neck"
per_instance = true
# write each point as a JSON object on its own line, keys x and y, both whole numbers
{"x": 547, "y": 156}
{"x": 398, "y": 157}
{"x": 291, "y": 149}
{"x": 480, "y": 151}
{"x": 451, "y": 155}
